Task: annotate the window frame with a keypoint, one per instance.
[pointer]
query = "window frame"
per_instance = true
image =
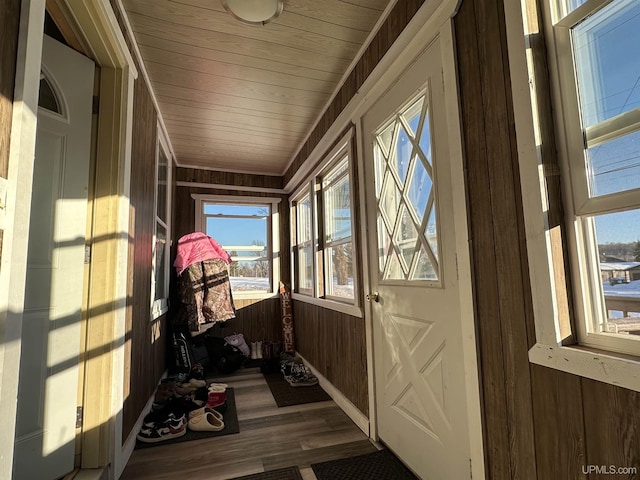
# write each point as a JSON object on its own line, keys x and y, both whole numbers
{"x": 273, "y": 240}
{"x": 312, "y": 186}
{"x": 161, "y": 305}
{"x": 589, "y": 297}
{"x": 560, "y": 345}
{"x": 324, "y": 243}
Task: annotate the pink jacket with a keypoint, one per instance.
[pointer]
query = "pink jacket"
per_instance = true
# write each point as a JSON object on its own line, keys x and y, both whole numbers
{"x": 198, "y": 247}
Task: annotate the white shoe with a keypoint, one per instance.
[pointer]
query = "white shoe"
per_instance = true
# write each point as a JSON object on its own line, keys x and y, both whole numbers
{"x": 206, "y": 423}
{"x": 203, "y": 411}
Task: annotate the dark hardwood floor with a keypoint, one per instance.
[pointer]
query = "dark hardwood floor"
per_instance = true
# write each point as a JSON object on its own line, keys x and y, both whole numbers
{"x": 269, "y": 438}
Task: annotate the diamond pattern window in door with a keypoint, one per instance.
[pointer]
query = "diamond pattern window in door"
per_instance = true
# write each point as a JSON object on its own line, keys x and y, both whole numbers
{"x": 402, "y": 152}
{"x": 425, "y": 140}
{"x": 406, "y": 238}
{"x": 413, "y": 116}
{"x": 404, "y": 186}
{"x": 431, "y": 232}
{"x": 384, "y": 242}
{"x": 420, "y": 186}
{"x": 424, "y": 268}
{"x": 394, "y": 270}
{"x": 390, "y": 201}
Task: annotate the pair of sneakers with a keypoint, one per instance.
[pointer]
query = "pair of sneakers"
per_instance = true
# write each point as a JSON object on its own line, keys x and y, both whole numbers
{"x": 295, "y": 372}
{"x": 174, "y": 426}
{"x": 217, "y": 396}
{"x": 206, "y": 419}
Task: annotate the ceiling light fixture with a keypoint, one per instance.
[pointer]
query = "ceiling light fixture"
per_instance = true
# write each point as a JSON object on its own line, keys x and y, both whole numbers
{"x": 255, "y": 12}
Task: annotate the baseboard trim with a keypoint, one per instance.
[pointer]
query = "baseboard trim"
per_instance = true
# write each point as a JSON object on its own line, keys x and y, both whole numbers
{"x": 359, "y": 418}
{"x": 92, "y": 474}
{"x": 130, "y": 444}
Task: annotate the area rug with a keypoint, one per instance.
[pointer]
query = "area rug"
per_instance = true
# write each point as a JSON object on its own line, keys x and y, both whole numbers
{"x": 230, "y": 426}
{"x": 289, "y": 473}
{"x": 381, "y": 465}
{"x": 285, "y": 395}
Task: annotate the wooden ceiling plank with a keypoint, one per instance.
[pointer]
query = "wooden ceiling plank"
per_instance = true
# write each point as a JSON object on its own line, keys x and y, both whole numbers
{"x": 224, "y": 148}
{"x": 339, "y": 13}
{"x": 216, "y": 41}
{"x": 373, "y": 5}
{"x": 231, "y": 119}
{"x": 336, "y": 20}
{"x": 236, "y": 88}
{"x": 208, "y": 20}
{"x": 222, "y": 126}
{"x": 271, "y": 144}
{"x": 228, "y": 103}
{"x": 266, "y": 118}
{"x": 235, "y": 72}
{"x": 233, "y": 58}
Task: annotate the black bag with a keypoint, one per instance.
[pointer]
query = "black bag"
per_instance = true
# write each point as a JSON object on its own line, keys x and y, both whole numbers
{"x": 225, "y": 357}
{"x": 231, "y": 359}
{"x": 183, "y": 353}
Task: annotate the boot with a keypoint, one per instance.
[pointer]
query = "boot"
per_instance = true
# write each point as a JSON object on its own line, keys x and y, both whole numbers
{"x": 254, "y": 350}
{"x": 266, "y": 349}
{"x": 258, "y": 349}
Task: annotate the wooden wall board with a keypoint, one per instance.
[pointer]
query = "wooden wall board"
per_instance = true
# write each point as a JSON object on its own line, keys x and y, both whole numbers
{"x": 334, "y": 343}
{"x": 146, "y": 340}
{"x": 612, "y": 427}
{"x": 227, "y": 178}
{"x": 497, "y": 239}
{"x": 558, "y": 423}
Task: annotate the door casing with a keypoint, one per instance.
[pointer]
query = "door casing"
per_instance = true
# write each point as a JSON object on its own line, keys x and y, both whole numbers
{"x": 104, "y": 373}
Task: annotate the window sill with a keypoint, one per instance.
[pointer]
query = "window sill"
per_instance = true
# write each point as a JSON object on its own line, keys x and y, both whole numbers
{"x": 157, "y": 313}
{"x": 352, "y": 310}
{"x": 254, "y": 295}
{"x": 614, "y": 369}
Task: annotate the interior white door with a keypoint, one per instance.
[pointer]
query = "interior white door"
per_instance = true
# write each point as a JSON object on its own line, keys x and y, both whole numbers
{"x": 420, "y": 387}
{"x": 47, "y": 392}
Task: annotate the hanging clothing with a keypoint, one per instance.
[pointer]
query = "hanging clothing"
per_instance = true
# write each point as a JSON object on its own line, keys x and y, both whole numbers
{"x": 205, "y": 292}
{"x": 197, "y": 247}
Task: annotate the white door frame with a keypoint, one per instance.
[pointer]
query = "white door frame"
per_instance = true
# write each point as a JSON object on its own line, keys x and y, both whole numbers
{"x": 430, "y": 21}
{"x": 108, "y": 49}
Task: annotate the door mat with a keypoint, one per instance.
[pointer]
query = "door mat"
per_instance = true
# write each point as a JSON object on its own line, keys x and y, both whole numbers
{"x": 230, "y": 426}
{"x": 381, "y": 465}
{"x": 285, "y": 395}
{"x": 289, "y": 473}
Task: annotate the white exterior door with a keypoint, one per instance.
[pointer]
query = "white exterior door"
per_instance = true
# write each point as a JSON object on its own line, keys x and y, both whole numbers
{"x": 47, "y": 395}
{"x": 419, "y": 371}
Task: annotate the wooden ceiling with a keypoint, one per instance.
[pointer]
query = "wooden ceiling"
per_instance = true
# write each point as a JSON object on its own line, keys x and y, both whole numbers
{"x": 240, "y": 97}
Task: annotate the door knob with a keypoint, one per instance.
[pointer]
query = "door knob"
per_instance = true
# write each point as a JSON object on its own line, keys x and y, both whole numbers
{"x": 372, "y": 297}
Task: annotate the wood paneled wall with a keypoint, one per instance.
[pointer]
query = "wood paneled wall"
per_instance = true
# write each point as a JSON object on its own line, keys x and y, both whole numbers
{"x": 146, "y": 340}
{"x": 538, "y": 423}
{"x": 9, "y": 24}
{"x": 214, "y": 177}
{"x": 335, "y": 344}
{"x": 398, "y": 18}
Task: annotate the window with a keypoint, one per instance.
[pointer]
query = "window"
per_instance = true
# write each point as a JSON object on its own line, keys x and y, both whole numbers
{"x": 160, "y": 275}
{"x": 322, "y": 231}
{"x": 594, "y": 57}
{"x": 601, "y": 103}
{"x": 243, "y": 226}
{"x": 338, "y": 239}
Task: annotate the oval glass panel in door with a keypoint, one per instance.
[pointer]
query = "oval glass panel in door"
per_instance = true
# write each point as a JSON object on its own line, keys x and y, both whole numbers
{"x": 47, "y": 98}
{"x": 406, "y": 202}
